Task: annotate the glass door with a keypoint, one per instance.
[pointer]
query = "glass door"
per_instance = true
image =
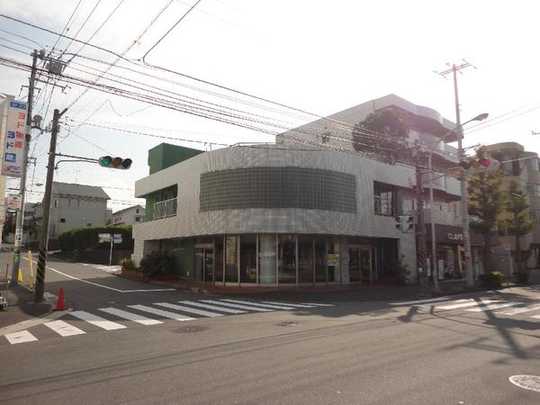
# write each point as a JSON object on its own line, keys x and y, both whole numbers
{"x": 366, "y": 264}
{"x": 204, "y": 263}
{"x": 360, "y": 264}
{"x": 355, "y": 274}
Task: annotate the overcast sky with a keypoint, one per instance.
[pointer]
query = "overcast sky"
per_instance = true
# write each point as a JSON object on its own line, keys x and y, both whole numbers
{"x": 319, "y": 55}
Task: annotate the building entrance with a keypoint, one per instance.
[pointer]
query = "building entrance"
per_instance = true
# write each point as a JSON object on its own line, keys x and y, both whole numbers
{"x": 204, "y": 262}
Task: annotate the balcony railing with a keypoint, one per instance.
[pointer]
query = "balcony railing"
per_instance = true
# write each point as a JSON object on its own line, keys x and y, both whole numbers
{"x": 165, "y": 208}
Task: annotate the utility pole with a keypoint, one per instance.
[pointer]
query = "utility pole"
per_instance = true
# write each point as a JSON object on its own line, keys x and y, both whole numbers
{"x": 420, "y": 222}
{"x": 434, "y": 265}
{"x": 19, "y": 225}
{"x": 44, "y": 241}
{"x": 469, "y": 278}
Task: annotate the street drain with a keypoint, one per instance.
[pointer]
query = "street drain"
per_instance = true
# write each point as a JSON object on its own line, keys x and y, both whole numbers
{"x": 527, "y": 382}
{"x": 190, "y": 329}
{"x": 287, "y": 323}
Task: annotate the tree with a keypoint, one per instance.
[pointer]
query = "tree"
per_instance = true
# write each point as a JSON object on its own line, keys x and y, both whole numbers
{"x": 517, "y": 222}
{"x": 486, "y": 203}
{"x": 383, "y": 133}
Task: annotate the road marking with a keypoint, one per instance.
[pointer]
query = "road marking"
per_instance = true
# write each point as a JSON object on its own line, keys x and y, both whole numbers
{"x": 104, "y": 286}
{"x": 207, "y": 306}
{"x": 469, "y": 303}
{"x": 494, "y": 306}
{"x": 165, "y": 314}
{"x": 30, "y": 323}
{"x": 272, "y": 306}
{"x": 536, "y": 316}
{"x": 20, "y": 337}
{"x": 522, "y": 310}
{"x": 97, "y": 320}
{"x": 201, "y": 312}
{"x": 246, "y": 307}
{"x": 289, "y": 304}
{"x": 64, "y": 328}
{"x": 424, "y": 301}
{"x": 316, "y": 304}
{"x": 130, "y": 316}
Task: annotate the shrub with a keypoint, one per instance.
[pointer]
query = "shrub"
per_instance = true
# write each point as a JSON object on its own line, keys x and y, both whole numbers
{"x": 87, "y": 238}
{"x": 493, "y": 279}
{"x": 157, "y": 263}
{"x": 127, "y": 264}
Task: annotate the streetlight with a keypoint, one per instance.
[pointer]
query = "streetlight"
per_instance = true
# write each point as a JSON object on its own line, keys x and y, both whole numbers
{"x": 465, "y": 208}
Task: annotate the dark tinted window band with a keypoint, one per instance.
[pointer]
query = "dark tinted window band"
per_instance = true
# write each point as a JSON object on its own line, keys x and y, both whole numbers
{"x": 278, "y": 187}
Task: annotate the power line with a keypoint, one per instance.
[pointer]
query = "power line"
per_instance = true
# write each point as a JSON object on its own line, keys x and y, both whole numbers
{"x": 60, "y": 36}
{"x": 88, "y": 17}
{"x": 169, "y": 30}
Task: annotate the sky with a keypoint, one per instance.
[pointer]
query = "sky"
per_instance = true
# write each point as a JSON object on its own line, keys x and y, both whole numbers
{"x": 320, "y": 56}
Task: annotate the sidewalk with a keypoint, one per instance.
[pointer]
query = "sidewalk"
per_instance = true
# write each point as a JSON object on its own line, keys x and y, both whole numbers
{"x": 21, "y": 306}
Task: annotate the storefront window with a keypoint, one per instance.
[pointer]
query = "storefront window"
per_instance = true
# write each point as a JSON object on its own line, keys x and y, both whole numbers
{"x": 320, "y": 260}
{"x": 267, "y": 259}
{"x": 333, "y": 260}
{"x": 305, "y": 259}
{"x": 218, "y": 243}
{"x": 231, "y": 259}
{"x": 287, "y": 259}
{"x": 248, "y": 258}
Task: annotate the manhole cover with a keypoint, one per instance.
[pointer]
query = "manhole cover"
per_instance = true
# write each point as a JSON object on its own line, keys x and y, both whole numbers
{"x": 190, "y": 329}
{"x": 287, "y": 323}
{"x": 527, "y": 382}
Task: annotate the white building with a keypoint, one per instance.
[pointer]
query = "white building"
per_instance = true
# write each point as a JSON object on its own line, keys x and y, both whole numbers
{"x": 128, "y": 216}
{"x": 76, "y": 206}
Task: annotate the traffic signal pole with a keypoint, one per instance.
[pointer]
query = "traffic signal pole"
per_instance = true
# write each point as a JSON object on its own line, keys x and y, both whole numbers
{"x": 44, "y": 241}
{"x": 19, "y": 224}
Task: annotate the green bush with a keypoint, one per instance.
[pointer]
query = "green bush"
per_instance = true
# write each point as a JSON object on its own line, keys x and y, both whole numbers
{"x": 87, "y": 238}
{"x": 157, "y": 263}
{"x": 127, "y": 264}
{"x": 493, "y": 279}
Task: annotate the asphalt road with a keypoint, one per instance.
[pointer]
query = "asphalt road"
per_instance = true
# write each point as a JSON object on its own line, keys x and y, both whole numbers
{"x": 348, "y": 353}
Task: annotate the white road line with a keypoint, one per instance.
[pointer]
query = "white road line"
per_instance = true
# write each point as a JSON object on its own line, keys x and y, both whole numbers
{"x": 425, "y": 301}
{"x": 271, "y": 306}
{"x": 246, "y": 307}
{"x": 213, "y": 307}
{"x": 316, "y": 304}
{"x": 97, "y": 320}
{"x": 289, "y": 304}
{"x": 64, "y": 328}
{"x": 521, "y": 310}
{"x": 165, "y": 314}
{"x": 469, "y": 303}
{"x": 101, "y": 285}
{"x": 494, "y": 306}
{"x": 183, "y": 308}
{"x": 536, "y": 316}
{"x": 130, "y": 316}
{"x": 20, "y": 337}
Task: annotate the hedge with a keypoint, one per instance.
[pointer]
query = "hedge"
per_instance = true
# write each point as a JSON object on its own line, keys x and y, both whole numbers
{"x": 87, "y": 238}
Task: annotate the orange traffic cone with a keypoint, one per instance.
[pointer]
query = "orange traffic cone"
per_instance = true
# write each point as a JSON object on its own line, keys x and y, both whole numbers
{"x": 60, "y": 304}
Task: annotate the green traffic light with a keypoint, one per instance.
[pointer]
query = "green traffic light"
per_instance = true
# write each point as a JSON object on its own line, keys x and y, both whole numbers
{"x": 105, "y": 161}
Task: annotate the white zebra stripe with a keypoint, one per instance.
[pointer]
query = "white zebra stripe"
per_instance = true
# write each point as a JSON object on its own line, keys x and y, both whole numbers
{"x": 160, "y": 312}
{"x": 64, "y": 328}
{"x": 20, "y": 337}
{"x": 246, "y": 307}
{"x": 271, "y": 306}
{"x": 130, "y": 316}
{"x": 183, "y": 308}
{"x": 213, "y": 307}
{"x": 97, "y": 320}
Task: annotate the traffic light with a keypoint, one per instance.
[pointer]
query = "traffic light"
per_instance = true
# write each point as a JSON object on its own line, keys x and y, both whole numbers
{"x": 114, "y": 163}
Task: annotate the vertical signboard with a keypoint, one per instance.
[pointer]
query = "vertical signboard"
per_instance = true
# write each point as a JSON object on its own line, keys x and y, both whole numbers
{"x": 14, "y": 144}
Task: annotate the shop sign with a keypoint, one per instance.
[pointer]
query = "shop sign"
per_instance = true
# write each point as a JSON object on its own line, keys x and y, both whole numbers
{"x": 13, "y": 201}
{"x": 332, "y": 259}
{"x": 455, "y": 236}
{"x": 14, "y": 139}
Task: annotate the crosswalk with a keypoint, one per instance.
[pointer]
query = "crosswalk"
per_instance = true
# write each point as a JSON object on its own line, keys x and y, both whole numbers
{"x": 499, "y": 306}
{"x": 112, "y": 318}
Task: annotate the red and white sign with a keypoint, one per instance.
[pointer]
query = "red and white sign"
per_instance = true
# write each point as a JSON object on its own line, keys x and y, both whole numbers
{"x": 14, "y": 139}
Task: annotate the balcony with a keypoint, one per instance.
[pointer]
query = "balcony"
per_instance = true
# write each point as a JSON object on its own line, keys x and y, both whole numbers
{"x": 165, "y": 208}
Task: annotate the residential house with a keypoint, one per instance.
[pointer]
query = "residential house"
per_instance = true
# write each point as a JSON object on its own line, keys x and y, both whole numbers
{"x": 128, "y": 216}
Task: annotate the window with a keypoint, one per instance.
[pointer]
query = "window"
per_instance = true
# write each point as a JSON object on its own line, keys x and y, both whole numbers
{"x": 136, "y": 211}
{"x": 55, "y": 203}
{"x": 385, "y": 199}
{"x": 89, "y": 225}
{"x": 137, "y": 219}
{"x": 63, "y": 220}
